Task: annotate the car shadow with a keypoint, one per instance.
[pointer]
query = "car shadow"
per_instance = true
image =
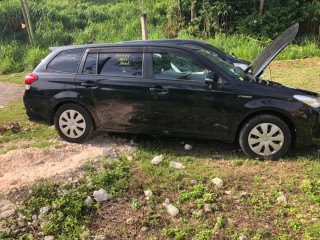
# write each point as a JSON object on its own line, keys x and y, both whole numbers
{"x": 206, "y": 148}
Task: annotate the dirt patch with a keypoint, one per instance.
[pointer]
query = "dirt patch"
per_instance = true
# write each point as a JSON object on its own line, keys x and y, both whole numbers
{"x": 308, "y": 62}
{"x": 23, "y": 166}
{"x": 10, "y": 92}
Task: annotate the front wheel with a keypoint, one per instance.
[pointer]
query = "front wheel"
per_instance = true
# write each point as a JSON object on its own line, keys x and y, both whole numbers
{"x": 265, "y": 137}
{"x": 73, "y": 123}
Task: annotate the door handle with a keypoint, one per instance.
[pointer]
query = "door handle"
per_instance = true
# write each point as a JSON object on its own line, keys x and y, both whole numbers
{"x": 89, "y": 84}
{"x": 161, "y": 90}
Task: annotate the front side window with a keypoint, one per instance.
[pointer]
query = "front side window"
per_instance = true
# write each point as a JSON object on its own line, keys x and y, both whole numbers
{"x": 120, "y": 64}
{"x": 177, "y": 66}
{"x": 66, "y": 61}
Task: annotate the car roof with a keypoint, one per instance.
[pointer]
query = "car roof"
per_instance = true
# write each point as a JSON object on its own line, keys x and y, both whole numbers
{"x": 170, "y": 41}
{"x": 153, "y": 43}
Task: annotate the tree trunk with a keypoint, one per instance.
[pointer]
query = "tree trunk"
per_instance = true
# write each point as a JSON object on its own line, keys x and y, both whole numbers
{"x": 193, "y": 10}
{"x": 261, "y": 8}
{"x": 180, "y": 9}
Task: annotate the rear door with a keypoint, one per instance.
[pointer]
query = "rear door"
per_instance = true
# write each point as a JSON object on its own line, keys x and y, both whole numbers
{"x": 115, "y": 84}
{"x": 180, "y": 101}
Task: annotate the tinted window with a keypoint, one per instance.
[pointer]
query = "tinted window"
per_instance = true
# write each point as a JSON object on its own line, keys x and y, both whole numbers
{"x": 120, "y": 64}
{"x": 90, "y": 66}
{"x": 67, "y": 61}
{"x": 176, "y": 66}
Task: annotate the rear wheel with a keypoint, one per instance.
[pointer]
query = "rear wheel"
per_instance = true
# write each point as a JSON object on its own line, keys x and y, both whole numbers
{"x": 73, "y": 123}
{"x": 265, "y": 137}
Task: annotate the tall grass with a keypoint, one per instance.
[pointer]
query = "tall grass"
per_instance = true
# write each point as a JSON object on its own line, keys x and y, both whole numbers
{"x": 67, "y": 22}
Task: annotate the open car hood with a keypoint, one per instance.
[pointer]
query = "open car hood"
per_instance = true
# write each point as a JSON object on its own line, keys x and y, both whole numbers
{"x": 270, "y": 52}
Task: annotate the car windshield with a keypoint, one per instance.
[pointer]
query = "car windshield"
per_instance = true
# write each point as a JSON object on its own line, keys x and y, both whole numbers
{"x": 231, "y": 70}
{"x": 220, "y": 51}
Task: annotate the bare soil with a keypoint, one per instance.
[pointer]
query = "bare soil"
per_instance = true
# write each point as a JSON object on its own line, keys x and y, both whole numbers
{"x": 23, "y": 166}
{"x": 10, "y": 92}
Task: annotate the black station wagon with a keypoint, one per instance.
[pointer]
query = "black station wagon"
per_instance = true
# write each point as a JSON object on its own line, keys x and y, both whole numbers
{"x": 170, "y": 89}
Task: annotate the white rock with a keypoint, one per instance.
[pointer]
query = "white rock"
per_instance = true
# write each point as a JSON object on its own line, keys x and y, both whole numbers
{"x": 50, "y": 237}
{"x": 228, "y": 192}
{"x": 88, "y": 201}
{"x": 6, "y": 214}
{"x": 218, "y": 182}
{"x": 157, "y": 159}
{"x": 281, "y": 198}
{"x": 172, "y": 210}
{"x": 193, "y": 182}
{"x": 148, "y": 193}
{"x": 44, "y": 210}
{"x": 176, "y": 165}
{"x": 144, "y": 229}
{"x": 187, "y": 147}
{"x": 131, "y": 220}
{"x": 101, "y": 195}
{"x": 207, "y": 207}
{"x": 242, "y": 236}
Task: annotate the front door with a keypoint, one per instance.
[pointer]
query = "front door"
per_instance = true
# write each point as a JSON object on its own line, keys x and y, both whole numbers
{"x": 180, "y": 101}
{"x": 117, "y": 87}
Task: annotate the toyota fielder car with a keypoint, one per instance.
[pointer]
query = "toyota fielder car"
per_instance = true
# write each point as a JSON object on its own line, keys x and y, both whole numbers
{"x": 174, "y": 90}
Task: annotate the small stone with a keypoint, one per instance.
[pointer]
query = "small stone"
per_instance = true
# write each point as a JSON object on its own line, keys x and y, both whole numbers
{"x": 30, "y": 191}
{"x": 228, "y": 192}
{"x": 101, "y": 195}
{"x": 35, "y": 224}
{"x": 244, "y": 195}
{"x": 131, "y": 220}
{"x": 88, "y": 201}
{"x": 172, "y": 210}
{"x": 207, "y": 208}
{"x": 148, "y": 193}
{"x": 13, "y": 227}
{"x": 193, "y": 182}
{"x": 85, "y": 235}
{"x": 199, "y": 213}
{"x": 40, "y": 234}
{"x": 100, "y": 237}
{"x": 129, "y": 158}
{"x": 34, "y": 217}
{"x": 218, "y": 182}
{"x": 144, "y": 229}
{"x": 6, "y": 214}
{"x": 242, "y": 236}
{"x": 157, "y": 159}
{"x": 176, "y": 165}
{"x": 281, "y": 198}
{"x": 50, "y": 237}
{"x": 44, "y": 210}
{"x": 21, "y": 224}
{"x": 166, "y": 202}
{"x": 187, "y": 147}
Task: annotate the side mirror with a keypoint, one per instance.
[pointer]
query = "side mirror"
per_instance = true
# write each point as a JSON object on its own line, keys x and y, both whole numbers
{"x": 213, "y": 80}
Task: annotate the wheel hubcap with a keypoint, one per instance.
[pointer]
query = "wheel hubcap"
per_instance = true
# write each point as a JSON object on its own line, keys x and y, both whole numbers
{"x": 266, "y": 139}
{"x": 72, "y": 124}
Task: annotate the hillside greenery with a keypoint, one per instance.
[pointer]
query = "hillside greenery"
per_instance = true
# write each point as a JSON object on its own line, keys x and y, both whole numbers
{"x": 235, "y": 26}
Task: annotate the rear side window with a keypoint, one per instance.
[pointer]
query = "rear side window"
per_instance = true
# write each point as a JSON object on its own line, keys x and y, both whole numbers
{"x": 90, "y": 66}
{"x": 67, "y": 61}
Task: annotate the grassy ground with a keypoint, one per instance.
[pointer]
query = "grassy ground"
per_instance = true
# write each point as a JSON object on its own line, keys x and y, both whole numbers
{"x": 247, "y": 204}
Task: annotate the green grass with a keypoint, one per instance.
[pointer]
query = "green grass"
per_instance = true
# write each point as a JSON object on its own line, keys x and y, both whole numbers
{"x": 15, "y": 112}
{"x": 17, "y": 78}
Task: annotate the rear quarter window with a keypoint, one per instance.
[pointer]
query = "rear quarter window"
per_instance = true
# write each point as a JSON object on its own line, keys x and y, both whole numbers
{"x": 66, "y": 61}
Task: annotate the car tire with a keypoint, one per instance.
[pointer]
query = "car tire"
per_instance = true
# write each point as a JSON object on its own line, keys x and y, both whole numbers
{"x": 265, "y": 137}
{"x": 73, "y": 123}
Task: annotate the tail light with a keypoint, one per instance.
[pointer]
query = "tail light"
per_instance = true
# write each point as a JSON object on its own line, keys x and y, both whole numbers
{"x": 30, "y": 78}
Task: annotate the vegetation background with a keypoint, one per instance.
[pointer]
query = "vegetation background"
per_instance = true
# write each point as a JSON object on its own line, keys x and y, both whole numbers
{"x": 242, "y": 27}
